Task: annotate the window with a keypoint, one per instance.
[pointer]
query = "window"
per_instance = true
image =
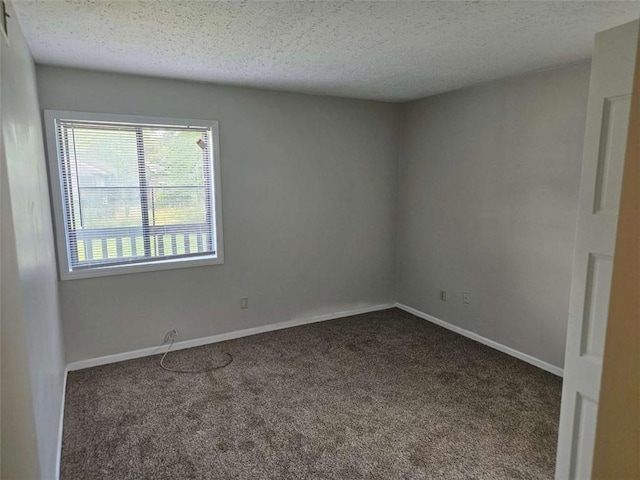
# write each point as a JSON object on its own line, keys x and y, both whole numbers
{"x": 133, "y": 194}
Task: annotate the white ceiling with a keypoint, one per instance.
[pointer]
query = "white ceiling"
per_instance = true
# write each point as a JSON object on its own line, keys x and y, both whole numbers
{"x": 387, "y": 50}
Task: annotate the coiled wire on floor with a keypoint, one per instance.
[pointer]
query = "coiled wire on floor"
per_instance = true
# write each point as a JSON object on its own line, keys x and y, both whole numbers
{"x": 201, "y": 370}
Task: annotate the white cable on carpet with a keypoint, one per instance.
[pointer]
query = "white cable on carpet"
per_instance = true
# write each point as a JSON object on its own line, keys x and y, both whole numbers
{"x": 207, "y": 369}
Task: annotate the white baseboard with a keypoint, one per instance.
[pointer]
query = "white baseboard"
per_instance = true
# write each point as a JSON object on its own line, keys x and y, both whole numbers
{"x": 60, "y": 426}
{"x": 485, "y": 341}
{"x": 145, "y": 352}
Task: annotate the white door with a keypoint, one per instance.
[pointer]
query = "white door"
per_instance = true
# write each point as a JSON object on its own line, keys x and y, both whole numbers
{"x": 604, "y": 148}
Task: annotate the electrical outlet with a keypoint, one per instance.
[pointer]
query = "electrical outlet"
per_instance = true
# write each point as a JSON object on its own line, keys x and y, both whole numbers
{"x": 466, "y": 297}
{"x": 171, "y": 336}
{"x": 244, "y": 302}
{"x": 443, "y": 295}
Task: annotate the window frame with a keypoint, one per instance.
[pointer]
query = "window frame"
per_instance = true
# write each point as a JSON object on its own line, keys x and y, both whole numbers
{"x": 56, "y": 180}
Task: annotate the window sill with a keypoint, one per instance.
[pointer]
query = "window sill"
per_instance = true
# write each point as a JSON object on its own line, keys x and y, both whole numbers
{"x": 157, "y": 265}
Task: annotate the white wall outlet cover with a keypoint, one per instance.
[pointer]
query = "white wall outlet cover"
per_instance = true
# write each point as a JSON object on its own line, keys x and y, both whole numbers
{"x": 171, "y": 336}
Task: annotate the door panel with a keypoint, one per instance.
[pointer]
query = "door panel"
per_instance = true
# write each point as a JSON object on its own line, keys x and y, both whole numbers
{"x": 596, "y": 302}
{"x": 586, "y": 411}
{"x": 615, "y": 119}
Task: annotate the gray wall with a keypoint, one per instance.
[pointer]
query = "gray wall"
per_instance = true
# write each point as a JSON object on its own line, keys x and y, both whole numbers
{"x": 309, "y": 196}
{"x": 483, "y": 198}
{"x": 488, "y": 192}
{"x": 31, "y": 347}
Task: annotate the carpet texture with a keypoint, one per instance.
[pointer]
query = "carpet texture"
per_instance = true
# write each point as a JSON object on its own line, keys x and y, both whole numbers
{"x": 383, "y": 395}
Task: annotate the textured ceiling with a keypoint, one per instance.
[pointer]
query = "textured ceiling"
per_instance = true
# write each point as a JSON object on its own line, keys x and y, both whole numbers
{"x": 393, "y": 51}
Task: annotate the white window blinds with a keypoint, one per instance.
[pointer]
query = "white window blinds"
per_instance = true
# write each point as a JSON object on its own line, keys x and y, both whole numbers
{"x": 135, "y": 193}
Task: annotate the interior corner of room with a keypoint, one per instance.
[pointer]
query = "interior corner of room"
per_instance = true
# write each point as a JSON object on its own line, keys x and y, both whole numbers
{"x": 488, "y": 210}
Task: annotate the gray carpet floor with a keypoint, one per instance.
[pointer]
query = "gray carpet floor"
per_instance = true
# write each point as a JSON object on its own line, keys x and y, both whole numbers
{"x": 377, "y": 396}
